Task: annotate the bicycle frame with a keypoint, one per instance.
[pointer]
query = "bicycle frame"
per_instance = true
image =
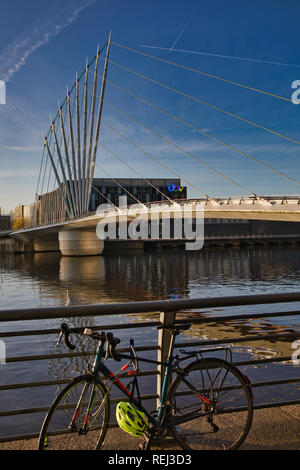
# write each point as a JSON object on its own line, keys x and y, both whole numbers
{"x": 202, "y": 378}
{"x": 98, "y": 366}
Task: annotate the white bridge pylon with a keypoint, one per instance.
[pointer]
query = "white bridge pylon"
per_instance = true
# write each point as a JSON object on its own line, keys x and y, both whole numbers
{"x": 72, "y": 144}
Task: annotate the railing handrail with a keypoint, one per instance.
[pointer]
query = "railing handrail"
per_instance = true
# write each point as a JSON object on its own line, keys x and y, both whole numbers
{"x": 145, "y": 306}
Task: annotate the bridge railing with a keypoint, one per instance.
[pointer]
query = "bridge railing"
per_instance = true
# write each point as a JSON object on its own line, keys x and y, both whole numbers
{"x": 254, "y": 236}
{"x": 164, "y": 313}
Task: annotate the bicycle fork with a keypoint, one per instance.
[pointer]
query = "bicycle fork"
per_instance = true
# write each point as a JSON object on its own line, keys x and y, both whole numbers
{"x": 83, "y": 429}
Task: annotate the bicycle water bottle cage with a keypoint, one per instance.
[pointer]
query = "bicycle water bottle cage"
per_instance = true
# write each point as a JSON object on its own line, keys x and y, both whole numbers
{"x": 134, "y": 359}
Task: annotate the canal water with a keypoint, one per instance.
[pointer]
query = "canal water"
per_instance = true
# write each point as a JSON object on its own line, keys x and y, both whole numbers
{"x": 48, "y": 279}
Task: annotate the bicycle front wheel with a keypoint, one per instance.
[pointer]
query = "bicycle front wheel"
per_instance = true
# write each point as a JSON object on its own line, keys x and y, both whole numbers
{"x": 78, "y": 418}
{"x": 213, "y": 399}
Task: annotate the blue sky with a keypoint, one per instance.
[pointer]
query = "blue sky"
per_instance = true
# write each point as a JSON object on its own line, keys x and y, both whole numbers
{"x": 43, "y": 45}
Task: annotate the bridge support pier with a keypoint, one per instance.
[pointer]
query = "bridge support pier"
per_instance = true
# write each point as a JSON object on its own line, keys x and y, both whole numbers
{"x": 43, "y": 246}
{"x": 80, "y": 243}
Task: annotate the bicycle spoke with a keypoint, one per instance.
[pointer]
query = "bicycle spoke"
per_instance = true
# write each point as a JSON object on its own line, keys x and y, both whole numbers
{"x": 78, "y": 418}
{"x": 215, "y": 400}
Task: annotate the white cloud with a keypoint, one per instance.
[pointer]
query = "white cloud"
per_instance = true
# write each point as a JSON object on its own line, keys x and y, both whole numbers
{"x": 22, "y": 148}
{"x": 60, "y": 16}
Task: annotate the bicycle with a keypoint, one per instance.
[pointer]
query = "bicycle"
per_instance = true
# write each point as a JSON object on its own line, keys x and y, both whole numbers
{"x": 207, "y": 405}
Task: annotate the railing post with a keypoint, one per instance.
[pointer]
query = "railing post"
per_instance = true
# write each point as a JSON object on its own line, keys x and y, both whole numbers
{"x": 164, "y": 340}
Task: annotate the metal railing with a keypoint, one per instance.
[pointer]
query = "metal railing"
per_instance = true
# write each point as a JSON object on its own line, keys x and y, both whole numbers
{"x": 251, "y": 236}
{"x": 167, "y": 315}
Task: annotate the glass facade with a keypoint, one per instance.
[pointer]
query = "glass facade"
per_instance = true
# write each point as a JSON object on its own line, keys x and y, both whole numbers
{"x": 157, "y": 189}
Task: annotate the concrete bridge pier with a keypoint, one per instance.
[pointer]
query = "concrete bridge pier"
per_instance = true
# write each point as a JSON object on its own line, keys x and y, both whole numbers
{"x": 80, "y": 243}
{"x": 46, "y": 243}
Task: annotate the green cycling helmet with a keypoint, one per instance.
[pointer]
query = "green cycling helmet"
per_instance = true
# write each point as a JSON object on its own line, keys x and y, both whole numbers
{"x": 131, "y": 420}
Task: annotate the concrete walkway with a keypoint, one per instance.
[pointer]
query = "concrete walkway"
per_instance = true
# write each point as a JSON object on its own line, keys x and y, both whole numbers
{"x": 272, "y": 429}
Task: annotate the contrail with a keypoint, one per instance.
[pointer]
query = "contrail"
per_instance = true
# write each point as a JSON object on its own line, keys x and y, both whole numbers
{"x": 222, "y": 56}
{"x": 39, "y": 33}
{"x": 177, "y": 39}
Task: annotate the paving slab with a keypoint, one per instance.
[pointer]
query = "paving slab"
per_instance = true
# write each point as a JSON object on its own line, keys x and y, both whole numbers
{"x": 272, "y": 429}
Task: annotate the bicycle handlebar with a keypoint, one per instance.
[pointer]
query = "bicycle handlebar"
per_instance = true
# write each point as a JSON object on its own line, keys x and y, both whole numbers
{"x": 65, "y": 332}
{"x": 103, "y": 337}
{"x": 111, "y": 340}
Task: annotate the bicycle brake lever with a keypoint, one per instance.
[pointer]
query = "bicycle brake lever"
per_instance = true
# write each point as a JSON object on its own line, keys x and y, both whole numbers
{"x": 133, "y": 353}
{"x": 66, "y": 332}
{"x": 111, "y": 345}
{"x": 107, "y": 353}
{"x": 59, "y": 339}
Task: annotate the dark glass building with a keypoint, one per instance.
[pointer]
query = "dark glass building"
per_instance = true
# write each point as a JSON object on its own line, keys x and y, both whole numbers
{"x": 159, "y": 189}
{"x": 50, "y": 208}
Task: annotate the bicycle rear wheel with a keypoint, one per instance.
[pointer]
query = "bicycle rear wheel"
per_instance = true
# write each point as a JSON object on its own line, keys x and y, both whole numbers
{"x": 78, "y": 418}
{"x": 216, "y": 400}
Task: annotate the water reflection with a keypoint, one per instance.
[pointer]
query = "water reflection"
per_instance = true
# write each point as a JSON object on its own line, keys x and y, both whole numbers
{"x": 81, "y": 269}
{"x": 142, "y": 276}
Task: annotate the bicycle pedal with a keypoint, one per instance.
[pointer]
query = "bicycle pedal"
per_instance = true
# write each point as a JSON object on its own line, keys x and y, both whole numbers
{"x": 146, "y": 444}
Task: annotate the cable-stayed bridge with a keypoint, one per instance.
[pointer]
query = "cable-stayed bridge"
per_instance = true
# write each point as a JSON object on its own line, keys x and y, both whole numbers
{"x": 66, "y": 194}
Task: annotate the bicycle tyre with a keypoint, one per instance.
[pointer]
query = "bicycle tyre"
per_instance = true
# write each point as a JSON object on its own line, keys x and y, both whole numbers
{"x": 56, "y": 433}
{"x": 223, "y": 426}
